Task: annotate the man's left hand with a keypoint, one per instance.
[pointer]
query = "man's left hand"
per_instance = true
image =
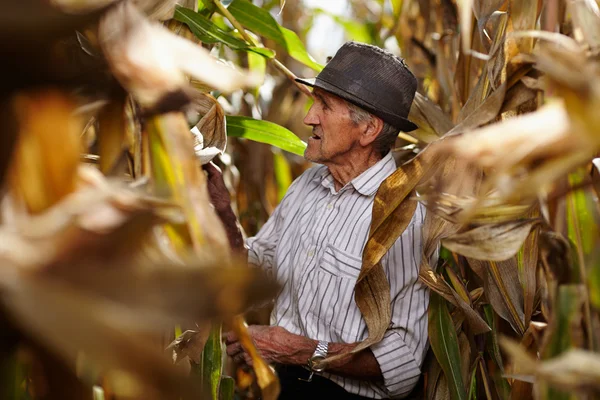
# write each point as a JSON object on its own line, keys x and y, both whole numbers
{"x": 275, "y": 344}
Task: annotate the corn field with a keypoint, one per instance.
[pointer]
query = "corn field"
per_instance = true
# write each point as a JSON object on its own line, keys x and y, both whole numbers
{"x": 117, "y": 278}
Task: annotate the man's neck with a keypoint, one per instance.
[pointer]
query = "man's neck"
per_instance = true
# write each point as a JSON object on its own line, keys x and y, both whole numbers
{"x": 353, "y": 167}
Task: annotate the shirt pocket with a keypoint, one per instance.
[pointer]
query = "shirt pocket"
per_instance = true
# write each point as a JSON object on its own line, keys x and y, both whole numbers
{"x": 335, "y": 306}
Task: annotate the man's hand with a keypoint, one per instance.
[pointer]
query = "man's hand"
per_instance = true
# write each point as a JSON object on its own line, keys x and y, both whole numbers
{"x": 275, "y": 345}
{"x": 219, "y": 195}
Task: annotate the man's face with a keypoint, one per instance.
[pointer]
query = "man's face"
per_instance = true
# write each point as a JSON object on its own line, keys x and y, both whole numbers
{"x": 335, "y": 136}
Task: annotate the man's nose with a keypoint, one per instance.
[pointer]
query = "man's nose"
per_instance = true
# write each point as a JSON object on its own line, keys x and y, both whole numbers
{"x": 311, "y": 118}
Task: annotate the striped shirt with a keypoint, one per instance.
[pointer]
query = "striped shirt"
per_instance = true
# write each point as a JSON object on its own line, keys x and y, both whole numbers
{"x": 313, "y": 244}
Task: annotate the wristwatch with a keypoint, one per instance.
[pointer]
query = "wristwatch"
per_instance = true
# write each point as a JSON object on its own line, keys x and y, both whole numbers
{"x": 313, "y": 362}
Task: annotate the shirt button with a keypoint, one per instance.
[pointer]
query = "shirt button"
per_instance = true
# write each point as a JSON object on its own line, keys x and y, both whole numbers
{"x": 311, "y": 253}
{"x": 329, "y": 206}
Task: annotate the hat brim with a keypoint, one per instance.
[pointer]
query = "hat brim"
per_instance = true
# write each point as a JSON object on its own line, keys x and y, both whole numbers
{"x": 399, "y": 122}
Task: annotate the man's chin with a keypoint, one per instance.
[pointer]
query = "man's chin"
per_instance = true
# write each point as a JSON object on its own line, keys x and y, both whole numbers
{"x": 311, "y": 156}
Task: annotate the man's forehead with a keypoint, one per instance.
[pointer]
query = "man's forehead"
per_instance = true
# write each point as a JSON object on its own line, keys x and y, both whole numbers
{"x": 325, "y": 94}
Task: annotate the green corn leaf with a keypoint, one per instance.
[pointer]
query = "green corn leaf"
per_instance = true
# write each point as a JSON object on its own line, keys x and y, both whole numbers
{"x": 564, "y": 332}
{"x": 208, "y": 32}
{"x": 257, "y": 19}
{"x": 227, "y": 388}
{"x": 265, "y": 132}
{"x": 283, "y": 174}
{"x": 297, "y": 51}
{"x": 212, "y": 362}
{"x": 261, "y": 22}
{"x": 444, "y": 344}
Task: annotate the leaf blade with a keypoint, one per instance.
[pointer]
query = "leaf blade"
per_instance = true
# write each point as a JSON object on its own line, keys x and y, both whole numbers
{"x": 265, "y": 132}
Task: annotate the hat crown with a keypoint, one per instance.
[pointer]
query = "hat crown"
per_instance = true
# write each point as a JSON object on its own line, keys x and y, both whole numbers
{"x": 373, "y": 79}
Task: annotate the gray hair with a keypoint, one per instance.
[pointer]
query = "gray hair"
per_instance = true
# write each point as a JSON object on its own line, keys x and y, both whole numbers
{"x": 386, "y": 138}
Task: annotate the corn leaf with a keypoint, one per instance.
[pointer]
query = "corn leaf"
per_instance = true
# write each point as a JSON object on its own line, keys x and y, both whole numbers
{"x": 266, "y": 378}
{"x": 205, "y": 29}
{"x": 501, "y": 283}
{"x": 257, "y": 20}
{"x": 564, "y": 331}
{"x": 212, "y": 362}
{"x": 444, "y": 343}
{"x": 261, "y": 22}
{"x": 297, "y": 51}
{"x": 495, "y": 242}
{"x": 172, "y": 146}
{"x": 46, "y": 128}
{"x": 227, "y": 388}
{"x": 265, "y": 132}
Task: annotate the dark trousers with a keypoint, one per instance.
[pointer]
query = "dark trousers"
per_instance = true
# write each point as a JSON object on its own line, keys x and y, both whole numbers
{"x": 318, "y": 388}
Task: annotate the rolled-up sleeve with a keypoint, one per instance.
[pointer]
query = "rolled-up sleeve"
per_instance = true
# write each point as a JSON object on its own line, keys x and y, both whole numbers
{"x": 400, "y": 354}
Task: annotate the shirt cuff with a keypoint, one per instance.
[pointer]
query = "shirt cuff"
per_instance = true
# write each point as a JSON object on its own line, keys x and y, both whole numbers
{"x": 398, "y": 365}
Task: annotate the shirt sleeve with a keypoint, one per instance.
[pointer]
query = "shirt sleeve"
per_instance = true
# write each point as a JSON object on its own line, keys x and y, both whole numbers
{"x": 262, "y": 247}
{"x": 401, "y": 351}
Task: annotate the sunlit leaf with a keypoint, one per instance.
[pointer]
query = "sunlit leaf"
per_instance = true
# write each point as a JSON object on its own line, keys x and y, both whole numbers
{"x": 212, "y": 362}
{"x": 265, "y": 132}
{"x": 205, "y": 28}
{"x": 260, "y": 21}
{"x": 297, "y": 50}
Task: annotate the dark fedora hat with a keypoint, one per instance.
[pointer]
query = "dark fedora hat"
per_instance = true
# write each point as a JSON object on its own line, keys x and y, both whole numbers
{"x": 372, "y": 79}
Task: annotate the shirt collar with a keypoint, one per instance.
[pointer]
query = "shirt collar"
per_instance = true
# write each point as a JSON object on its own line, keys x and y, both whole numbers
{"x": 369, "y": 181}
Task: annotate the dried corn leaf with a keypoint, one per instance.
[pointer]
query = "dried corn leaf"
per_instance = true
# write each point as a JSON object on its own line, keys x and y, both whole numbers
{"x": 265, "y": 376}
{"x": 573, "y": 370}
{"x": 431, "y": 120}
{"x": 495, "y": 242}
{"x": 47, "y": 128}
{"x": 152, "y": 63}
{"x": 210, "y": 136}
{"x": 503, "y": 289}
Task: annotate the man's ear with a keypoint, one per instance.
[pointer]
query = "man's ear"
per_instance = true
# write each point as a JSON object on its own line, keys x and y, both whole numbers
{"x": 371, "y": 131}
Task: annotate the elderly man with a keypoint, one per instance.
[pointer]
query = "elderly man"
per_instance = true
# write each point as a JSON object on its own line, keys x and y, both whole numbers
{"x": 314, "y": 240}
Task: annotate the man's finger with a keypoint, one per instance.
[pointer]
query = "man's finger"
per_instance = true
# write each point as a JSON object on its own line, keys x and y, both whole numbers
{"x": 230, "y": 337}
{"x": 212, "y": 170}
{"x": 233, "y": 349}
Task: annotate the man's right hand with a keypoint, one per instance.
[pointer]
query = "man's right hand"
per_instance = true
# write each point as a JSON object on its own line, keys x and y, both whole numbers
{"x": 219, "y": 195}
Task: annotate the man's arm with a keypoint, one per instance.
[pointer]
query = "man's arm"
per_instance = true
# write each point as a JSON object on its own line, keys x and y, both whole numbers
{"x": 277, "y": 345}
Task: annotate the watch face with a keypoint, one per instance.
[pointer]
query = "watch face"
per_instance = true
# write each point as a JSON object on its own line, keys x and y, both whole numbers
{"x": 313, "y": 360}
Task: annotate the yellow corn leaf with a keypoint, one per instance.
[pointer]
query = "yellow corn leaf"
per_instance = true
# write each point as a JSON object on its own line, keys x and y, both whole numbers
{"x": 175, "y": 161}
{"x": 46, "y": 156}
{"x": 112, "y": 135}
{"x": 265, "y": 376}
